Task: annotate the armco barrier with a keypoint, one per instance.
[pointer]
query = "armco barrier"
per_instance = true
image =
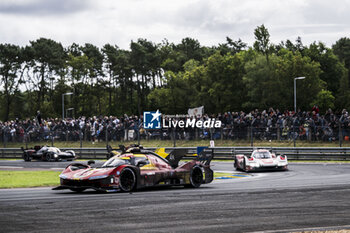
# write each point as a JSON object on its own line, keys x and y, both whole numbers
{"x": 296, "y": 153}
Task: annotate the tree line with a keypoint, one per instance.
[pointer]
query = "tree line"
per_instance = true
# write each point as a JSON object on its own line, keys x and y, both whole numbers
{"x": 231, "y": 76}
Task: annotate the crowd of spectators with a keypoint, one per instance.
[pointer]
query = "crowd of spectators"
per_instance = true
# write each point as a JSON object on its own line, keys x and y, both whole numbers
{"x": 268, "y": 124}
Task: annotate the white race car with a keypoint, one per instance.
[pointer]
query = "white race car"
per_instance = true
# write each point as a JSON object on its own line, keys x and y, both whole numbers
{"x": 260, "y": 160}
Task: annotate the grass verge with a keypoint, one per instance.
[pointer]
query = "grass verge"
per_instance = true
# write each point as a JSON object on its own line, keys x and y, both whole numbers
{"x": 8, "y": 159}
{"x": 26, "y": 179}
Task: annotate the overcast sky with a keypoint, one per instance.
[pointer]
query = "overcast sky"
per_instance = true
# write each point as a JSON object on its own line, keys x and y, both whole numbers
{"x": 119, "y": 21}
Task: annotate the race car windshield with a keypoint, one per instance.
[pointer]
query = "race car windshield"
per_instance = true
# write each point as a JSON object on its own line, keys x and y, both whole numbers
{"x": 115, "y": 162}
{"x": 54, "y": 149}
{"x": 262, "y": 155}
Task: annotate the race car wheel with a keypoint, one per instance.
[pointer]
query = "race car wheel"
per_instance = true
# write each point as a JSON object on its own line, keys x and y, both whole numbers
{"x": 47, "y": 157}
{"x": 196, "y": 178}
{"x": 26, "y": 157}
{"x": 244, "y": 167}
{"x": 235, "y": 165}
{"x": 78, "y": 190}
{"x": 127, "y": 180}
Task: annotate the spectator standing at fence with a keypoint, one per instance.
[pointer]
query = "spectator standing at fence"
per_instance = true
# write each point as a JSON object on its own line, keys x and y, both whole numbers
{"x": 21, "y": 134}
{"x": 344, "y": 122}
{"x": 13, "y": 133}
{"x": 6, "y": 132}
{"x": 279, "y": 125}
{"x": 295, "y": 126}
{"x": 38, "y": 117}
{"x": 93, "y": 130}
{"x": 328, "y": 114}
{"x": 315, "y": 109}
{"x": 100, "y": 131}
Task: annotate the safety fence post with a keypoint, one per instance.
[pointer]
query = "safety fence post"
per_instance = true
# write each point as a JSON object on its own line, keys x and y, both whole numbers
{"x": 106, "y": 136}
{"x": 174, "y": 136}
{"x": 251, "y": 136}
{"x": 340, "y": 135}
{"x": 52, "y": 137}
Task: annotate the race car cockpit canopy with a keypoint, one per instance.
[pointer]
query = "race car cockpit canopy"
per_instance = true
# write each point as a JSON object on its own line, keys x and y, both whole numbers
{"x": 116, "y": 161}
{"x": 262, "y": 155}
{"x": 136, "y": 160}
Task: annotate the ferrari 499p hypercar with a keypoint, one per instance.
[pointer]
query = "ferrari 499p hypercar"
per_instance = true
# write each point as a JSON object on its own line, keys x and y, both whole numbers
{"x": 47, "y": 153}
{"x": 260, "y": 160}
{"x": 134, "y": 168}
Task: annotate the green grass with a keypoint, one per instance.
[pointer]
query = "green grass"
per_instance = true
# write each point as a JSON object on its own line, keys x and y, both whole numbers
{"x": 26, "y": 179}
{"x": 183, "y": 143}
{"x": 7, "y": 159}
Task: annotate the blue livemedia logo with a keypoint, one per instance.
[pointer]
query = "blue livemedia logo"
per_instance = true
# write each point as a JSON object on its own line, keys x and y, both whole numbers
{"x": 151, "y": 120}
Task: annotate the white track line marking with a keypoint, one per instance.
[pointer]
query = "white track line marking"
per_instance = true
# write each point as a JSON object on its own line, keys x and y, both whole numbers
{"x": 305, "y": 229}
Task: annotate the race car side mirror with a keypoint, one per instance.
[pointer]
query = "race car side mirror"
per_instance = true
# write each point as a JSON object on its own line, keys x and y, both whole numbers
{"x": 141, "y": 163}
{"x": 90, "y": 162}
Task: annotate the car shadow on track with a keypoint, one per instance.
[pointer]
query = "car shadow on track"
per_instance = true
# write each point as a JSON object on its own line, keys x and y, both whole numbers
{"x": 264, "y": 171}
{"x": 141, "y": 190}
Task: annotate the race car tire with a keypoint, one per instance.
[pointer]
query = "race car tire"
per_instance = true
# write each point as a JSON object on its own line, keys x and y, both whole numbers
{"x": 196, "y": 178}
{"x": 26, "y": 157}
{"x": 127, "y": 180}
{"x": 47, "y": 157}
{"x": 78, "y": 190}
{"x": 235, "y": 164}
{"x": 244, "y": 168}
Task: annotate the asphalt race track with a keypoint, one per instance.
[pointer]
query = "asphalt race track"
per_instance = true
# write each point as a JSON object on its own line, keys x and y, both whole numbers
{"x": 307, "y": 197}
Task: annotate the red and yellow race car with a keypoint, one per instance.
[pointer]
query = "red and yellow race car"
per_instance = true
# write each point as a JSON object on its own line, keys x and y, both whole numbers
{"x": 134, "y": 168}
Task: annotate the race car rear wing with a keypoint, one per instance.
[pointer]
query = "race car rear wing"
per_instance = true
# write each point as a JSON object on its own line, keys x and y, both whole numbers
{"x": 175, "y": 156}
{"x": 204, "y": 155}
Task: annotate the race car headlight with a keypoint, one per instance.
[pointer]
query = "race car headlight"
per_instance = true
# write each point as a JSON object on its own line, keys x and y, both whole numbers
{"x": 98, "y": 177}
{"x": 55, "y": 155}
{"x": 63, "y": 176}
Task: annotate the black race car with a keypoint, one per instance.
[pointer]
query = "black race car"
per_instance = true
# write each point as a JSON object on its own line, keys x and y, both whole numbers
{"x": 47, "y": 153}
